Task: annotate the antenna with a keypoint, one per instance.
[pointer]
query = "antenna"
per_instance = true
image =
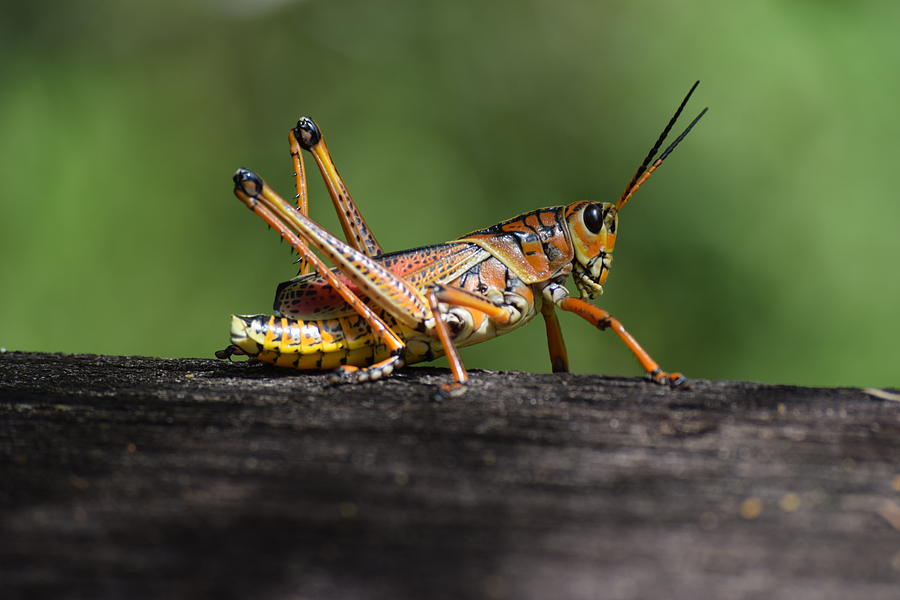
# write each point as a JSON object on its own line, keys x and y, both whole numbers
{"x": 644, "y": 171}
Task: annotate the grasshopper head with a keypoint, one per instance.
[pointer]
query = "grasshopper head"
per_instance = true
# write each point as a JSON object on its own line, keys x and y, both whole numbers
{"x": 592, "y": 226}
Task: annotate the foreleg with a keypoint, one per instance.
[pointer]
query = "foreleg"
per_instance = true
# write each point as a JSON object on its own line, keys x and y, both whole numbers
{"x": 601, "y": 319}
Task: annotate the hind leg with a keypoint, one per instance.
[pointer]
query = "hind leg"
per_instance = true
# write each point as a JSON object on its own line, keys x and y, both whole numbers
{"x": 297, "y": 229}
{"x": 308, "y": 136}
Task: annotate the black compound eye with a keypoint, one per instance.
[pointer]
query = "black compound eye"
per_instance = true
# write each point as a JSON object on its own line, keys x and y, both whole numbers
{"x": 593, "y": 218}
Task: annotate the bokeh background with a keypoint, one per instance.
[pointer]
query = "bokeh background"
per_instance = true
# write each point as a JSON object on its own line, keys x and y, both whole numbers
{"x": 766, "y": 248}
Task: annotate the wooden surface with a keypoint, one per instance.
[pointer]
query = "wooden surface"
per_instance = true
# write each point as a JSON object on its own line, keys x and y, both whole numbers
{"x": 132, "y": 477}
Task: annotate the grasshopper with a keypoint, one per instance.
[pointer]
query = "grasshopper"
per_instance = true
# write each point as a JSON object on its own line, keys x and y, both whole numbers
{"x": 374, "y": 312}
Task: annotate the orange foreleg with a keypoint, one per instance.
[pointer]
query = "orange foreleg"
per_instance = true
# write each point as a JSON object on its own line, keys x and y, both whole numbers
{"x": 603, "y": 320}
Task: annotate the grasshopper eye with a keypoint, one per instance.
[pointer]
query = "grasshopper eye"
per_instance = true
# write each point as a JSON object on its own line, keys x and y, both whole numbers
{"x": 593, "y": 218}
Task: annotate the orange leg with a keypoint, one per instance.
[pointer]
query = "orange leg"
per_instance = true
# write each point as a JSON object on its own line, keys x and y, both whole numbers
{"x": 302, "y": 196}
{"x": 460, "y": 376}
{"x": 499, "y": 313}
{"x": 603, "y": 320}
{"x": 559, "y": 358}
{"x": 461, "y": 297}
{"x": 357, "y": 233}
{"x": 251, "y": 190}
{"x": 375, "y": 281}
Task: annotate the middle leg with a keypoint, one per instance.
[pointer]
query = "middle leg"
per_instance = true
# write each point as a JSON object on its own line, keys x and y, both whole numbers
{"x": 499, "y": 312}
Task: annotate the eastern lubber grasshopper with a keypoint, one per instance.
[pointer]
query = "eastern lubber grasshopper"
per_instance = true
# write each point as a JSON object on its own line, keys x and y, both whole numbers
{"x": 375, "y": 312}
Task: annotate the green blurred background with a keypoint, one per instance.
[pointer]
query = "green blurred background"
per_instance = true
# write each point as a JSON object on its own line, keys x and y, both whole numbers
{"x": 765, "y": 249}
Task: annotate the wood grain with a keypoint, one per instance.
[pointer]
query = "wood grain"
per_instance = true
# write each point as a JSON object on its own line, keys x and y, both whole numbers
{"x": 142, "y": 477}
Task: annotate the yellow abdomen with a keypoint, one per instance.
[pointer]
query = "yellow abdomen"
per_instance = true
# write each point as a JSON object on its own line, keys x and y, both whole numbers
{"x": 319, "y": 345}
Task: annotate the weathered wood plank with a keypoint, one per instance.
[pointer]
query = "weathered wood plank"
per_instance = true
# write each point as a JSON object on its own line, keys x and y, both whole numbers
{"x": 140, "y": 477}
